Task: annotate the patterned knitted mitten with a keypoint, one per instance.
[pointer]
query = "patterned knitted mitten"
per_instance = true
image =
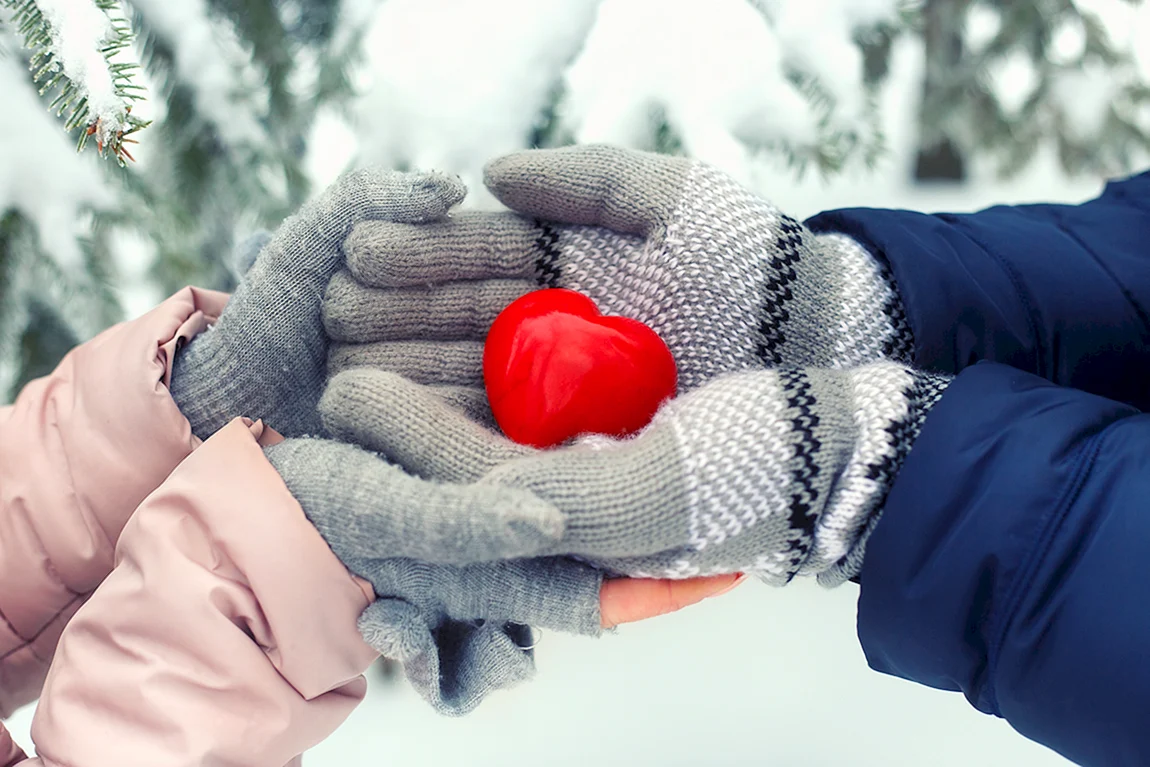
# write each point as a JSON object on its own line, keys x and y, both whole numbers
{"x": 774, "y": 472}
{"x": 726, "y": 279}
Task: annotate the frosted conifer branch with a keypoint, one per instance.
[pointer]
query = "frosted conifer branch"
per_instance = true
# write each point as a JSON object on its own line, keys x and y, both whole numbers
{"x": 73, "y": 44}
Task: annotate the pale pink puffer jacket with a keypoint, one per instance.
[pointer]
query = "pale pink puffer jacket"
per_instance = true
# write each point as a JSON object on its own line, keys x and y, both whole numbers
{"x": 226, "y": 633}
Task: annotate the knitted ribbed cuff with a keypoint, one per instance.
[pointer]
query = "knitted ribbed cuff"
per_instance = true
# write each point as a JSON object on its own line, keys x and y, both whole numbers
{"x": 923, "y": 395}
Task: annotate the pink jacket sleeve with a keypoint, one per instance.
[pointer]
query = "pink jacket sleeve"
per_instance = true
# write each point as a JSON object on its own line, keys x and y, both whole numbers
{"x": 10, "y": 753}
{"x": 79, "y": 450}
{"x": 226, "y": 635}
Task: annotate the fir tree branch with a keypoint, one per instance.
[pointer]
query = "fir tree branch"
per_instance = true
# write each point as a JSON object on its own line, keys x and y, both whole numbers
{"x": 72, "y": 51}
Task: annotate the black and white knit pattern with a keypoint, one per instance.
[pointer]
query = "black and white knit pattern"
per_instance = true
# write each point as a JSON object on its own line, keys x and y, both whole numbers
{"x": 849, "y": 541}
{"x": 886, "y": 402}
{"x": 784, "y": 471}
{"x": 547, "y": 264}
{"x": 792, "y": 419}
{"x": 731, "y": 283}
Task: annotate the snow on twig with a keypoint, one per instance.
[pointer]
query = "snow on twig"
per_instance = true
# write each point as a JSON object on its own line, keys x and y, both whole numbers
{"x": 73, "y": 43}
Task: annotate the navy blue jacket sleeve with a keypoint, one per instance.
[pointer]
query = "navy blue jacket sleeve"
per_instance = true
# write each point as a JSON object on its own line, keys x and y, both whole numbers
{"x": 1011, "y": 563}
{"x": 1062, "y": 291}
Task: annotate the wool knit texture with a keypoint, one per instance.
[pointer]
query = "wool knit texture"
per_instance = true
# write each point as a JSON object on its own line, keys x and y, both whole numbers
{"x": 727, "y": 280}
{"x": 774, "y": 472}
{"x": 458, "y": 664}
{"x": 778, "y": 473}
{"x": 365, "y": 507}
{"x": 266, "y": 357}
{"x": 459, "y": 630}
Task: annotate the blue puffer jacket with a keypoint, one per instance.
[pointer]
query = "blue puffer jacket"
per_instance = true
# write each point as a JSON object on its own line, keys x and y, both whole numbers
{"x": 1012, "y": 561}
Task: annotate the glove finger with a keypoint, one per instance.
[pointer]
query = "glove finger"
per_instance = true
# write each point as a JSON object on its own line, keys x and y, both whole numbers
{"x": 554, "y": 593}
{"x": 453, "y": 669}
{"x": 481, "y": 661}
{"x": 621, "y": 498}
{"x": 272, "y": 328}
{"x": 621, "y": 189}
{"x": 471, "y": 401}
{"x": 455, "y": 311}
{"x": 374, "y": 193}
{"x": 450, "y": 363}
{"x": 410, "y": 425}
{"x": 365, "y": 507}
{"x": 395, "y": 629}
{"x": 468, "y": 246}
{"x": 321, "y": 225}
{"x": 470, "y": 663}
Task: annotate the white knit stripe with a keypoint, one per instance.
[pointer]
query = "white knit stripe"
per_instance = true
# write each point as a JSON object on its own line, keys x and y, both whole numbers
{"x": 773, "y": 567}
{"x": 701, "y": 283}
{"x": 879, "y": 393}
{"x": 720, "y": 327}
{"x": 705, "y": 306}
{"x": 862, "y": 329}
{"x": 734, "y": 452}
{"x": 673, "y": 567}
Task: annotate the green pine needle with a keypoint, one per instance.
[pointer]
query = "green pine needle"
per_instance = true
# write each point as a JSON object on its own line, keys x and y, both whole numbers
{"x": 67, "y": 96}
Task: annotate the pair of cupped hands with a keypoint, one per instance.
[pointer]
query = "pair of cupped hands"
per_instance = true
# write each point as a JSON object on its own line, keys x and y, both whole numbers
{"x": 357, "y": 333}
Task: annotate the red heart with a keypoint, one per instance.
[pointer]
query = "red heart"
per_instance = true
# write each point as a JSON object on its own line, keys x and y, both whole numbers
{"x": 556, "y": 368}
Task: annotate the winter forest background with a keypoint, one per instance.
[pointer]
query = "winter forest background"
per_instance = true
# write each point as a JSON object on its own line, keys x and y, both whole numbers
{"x": 255, "y": 105}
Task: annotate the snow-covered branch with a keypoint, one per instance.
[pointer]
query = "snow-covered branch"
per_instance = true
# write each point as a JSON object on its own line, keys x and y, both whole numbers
{"x": 74, "y": 44}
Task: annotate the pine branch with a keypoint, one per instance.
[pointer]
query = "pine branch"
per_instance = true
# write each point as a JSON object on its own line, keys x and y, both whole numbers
{"x": 73, "y": 48}
{"x": 963, "y": 103}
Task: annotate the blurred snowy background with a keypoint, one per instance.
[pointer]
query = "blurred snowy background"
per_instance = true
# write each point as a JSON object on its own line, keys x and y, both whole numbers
{"x": 258, "y": 104}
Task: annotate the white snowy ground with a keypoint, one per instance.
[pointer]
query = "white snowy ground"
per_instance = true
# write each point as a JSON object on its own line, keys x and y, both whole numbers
{"x": 760, "y": 676}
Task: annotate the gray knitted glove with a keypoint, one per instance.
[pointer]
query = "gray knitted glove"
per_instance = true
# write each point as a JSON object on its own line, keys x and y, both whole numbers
{"x": 350, "y": 494}
{"x": 772, "y": 472}
{"x": 450, "y": 626}
{"x": 458, "y": 630}
{"x": 266, "y": 357}
{"x": 726, "y": 279}
{"x": 453, "y": 666}
{"x": 454, "y": 628}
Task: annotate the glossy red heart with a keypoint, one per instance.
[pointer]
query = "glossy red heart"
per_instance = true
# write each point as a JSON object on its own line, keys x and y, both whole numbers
{"x": 556, "y": 368}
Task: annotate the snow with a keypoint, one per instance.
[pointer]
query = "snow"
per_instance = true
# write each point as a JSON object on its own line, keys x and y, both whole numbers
{"x": 715, "y": 68}
{"x": 1085, "y": 96}
{"x": 473, "y": 89}
{"x": 1013, "y": 79}
{"x": 333, "y": 147}
{"x": 134, "y": 255}
{"x": 1068, "y": 42}
{"x": 41, "y": 175}
{"x": 210, "y": 59}
{"x": 45, "y": 180}
{"x": 449, "y": 83}
{"x": 983, "y": 23}
{"x": 760, "y": 676}
{"x": 354, "y": 15}
{"x": 79, "y": 30}
{"x": 817, "y": 36}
